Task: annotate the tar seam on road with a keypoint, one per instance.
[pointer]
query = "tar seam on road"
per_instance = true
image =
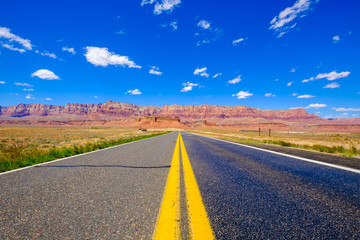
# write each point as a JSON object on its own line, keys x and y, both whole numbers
{"x": 77, "y": 155}
{"x": 168, "y": 224}
{"x": 287, "y": 155}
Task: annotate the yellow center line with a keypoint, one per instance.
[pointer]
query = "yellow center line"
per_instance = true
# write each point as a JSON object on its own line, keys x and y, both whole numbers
{"x": 199, "y": 224}
{"x": 168, "y": 223}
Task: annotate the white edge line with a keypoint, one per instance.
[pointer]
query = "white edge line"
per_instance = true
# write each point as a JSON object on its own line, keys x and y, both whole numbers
{"x": 77, "y": 155}
{"x": 287, "y": 155}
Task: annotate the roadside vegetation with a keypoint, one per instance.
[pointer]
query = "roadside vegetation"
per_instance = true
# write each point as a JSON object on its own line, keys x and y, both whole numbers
{"x": 343, "y": 144}
{"x": 30, "y": 147}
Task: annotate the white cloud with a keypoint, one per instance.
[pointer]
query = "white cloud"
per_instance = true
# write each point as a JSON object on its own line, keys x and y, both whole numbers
{"x": 281, "y": 22}
{"x": 6, "y": 33}
{"x": 52, "y": 55}
{"x": 70, "y": 50}
{"x": 134, "y": 92}
{"x": 23, "y": 84}
{"x": 102, "y": 57}
{"x": 289, "y": 83}
{"x": 28, "y": 89}
{"x": 276, "y": 80}
{"x": 96, "y": 97}
{"x": 332, "y": 85}
{"x": 294, "y": 94}
{"x": 174, "y": 25}
{"x": 242, "y": 95}
{"x": 235, "y": 42}
{"x": 306, "y": 96}
{"x": 316, "y": 105}
{"x": 293, "y": 70}
{"x": 270, "y": 95}
{"x": 329, "y": 76}
{"x": 204, "y": 24}
{"x": 336, "y": 38}
{"x": 144, "y": 2}
{"x": 235, "y": 80}
{"x": 166, "y": 6}
{"x": 347, "y": 109}
{"x": 216, "y": 75}
{"x": 2, "y": 82}
{"x": 121, "y": 32}
{"x": 188, "y": 86}
{"x": 201, "y": 71}
{"x": 201, "y": 42}
{"x": 29, "y": 96}
{"x": 48, "y": 99}
{"x": 11, "y": 47}
{"x": 45, "y": 74}
{"x": 155, "y": 70}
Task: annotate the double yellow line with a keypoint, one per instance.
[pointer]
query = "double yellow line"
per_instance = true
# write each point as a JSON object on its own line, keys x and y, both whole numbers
{"x": 168, "y": 224}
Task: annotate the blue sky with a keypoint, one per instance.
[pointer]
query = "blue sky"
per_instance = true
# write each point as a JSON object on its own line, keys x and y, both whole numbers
{"x": 263, "y": 54}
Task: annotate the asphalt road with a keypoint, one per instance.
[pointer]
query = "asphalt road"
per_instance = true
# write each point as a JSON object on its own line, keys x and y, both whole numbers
{"x": 110, "y": 194}
{"x": 117, "y": 193}
{"x": 251, "y": 194}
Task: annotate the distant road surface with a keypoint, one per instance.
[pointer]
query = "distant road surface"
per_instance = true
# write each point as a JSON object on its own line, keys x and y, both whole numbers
{"x": 124, "y": 192}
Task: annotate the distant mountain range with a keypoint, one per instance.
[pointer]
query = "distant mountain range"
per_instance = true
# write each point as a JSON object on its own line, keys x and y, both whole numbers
{"x": 114, "y": 110}
{"x": 172, "y": 116}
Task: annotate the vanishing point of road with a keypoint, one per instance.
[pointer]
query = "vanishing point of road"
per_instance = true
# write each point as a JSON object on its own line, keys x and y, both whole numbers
{"x": 180, "y": 186}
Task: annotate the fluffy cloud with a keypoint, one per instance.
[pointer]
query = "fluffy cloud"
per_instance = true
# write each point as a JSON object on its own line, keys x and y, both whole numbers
{"x": 204, "y": 24}
{"x": 336, "y": 38}
{"x": 155, "y": 70}
{"x": 134, "y": 92}
{"x": 48, "y": 99}
{"x": 306, "y": 96}
{"x": 293, "y": 70}
{"x": 242, "y": 95}
{"x": 6, "y": 33}
{"x": 2, "y": 82}
{"x": 28, "y": 89}
{"x": 347, "y": 109}
{"x": 269, "y": 95}
{"x": 235, "y": 80}
{"x": 29, "y": 96}
{"x": 45, "y": 74}
{"x": 144, "y": 2}
{"x": 332, "y": 85}
{"x": 11, "y": 47}
{"x": 52, "y": 55}
{"x": 23, "y": 84}
{"x": 329, "y": 76}
{"x": 188, "y": 86}
{"x": 174, "y": 25}
{"x": 289, "y": 83}
{"x": 102, "y": 57}
{"x": 201, "y": 72}
{"x": 70, "y": 50}
{"x": 216, "y": 75}
{"x": 165, "y": 5}
{"x": 281, "y": 22}
{"x": 235, "y": 42}
{"x": 316, "y": 105}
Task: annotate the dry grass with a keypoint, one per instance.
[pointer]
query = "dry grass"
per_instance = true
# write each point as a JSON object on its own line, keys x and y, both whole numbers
{"x": 22, "y": 146}
{"x": 345, "y": 144}
{"x": 47, "y": 137}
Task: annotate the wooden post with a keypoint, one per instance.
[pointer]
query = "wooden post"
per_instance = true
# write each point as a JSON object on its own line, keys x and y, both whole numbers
{"x": 259, "y": 131}
{"x": 269, "y": 132}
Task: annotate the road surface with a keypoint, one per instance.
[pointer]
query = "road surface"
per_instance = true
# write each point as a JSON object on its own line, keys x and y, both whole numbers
{"x": 185, "y": 186}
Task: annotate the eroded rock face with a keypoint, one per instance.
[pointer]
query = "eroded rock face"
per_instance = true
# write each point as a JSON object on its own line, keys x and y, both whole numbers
{"x": 126, "y": 110}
